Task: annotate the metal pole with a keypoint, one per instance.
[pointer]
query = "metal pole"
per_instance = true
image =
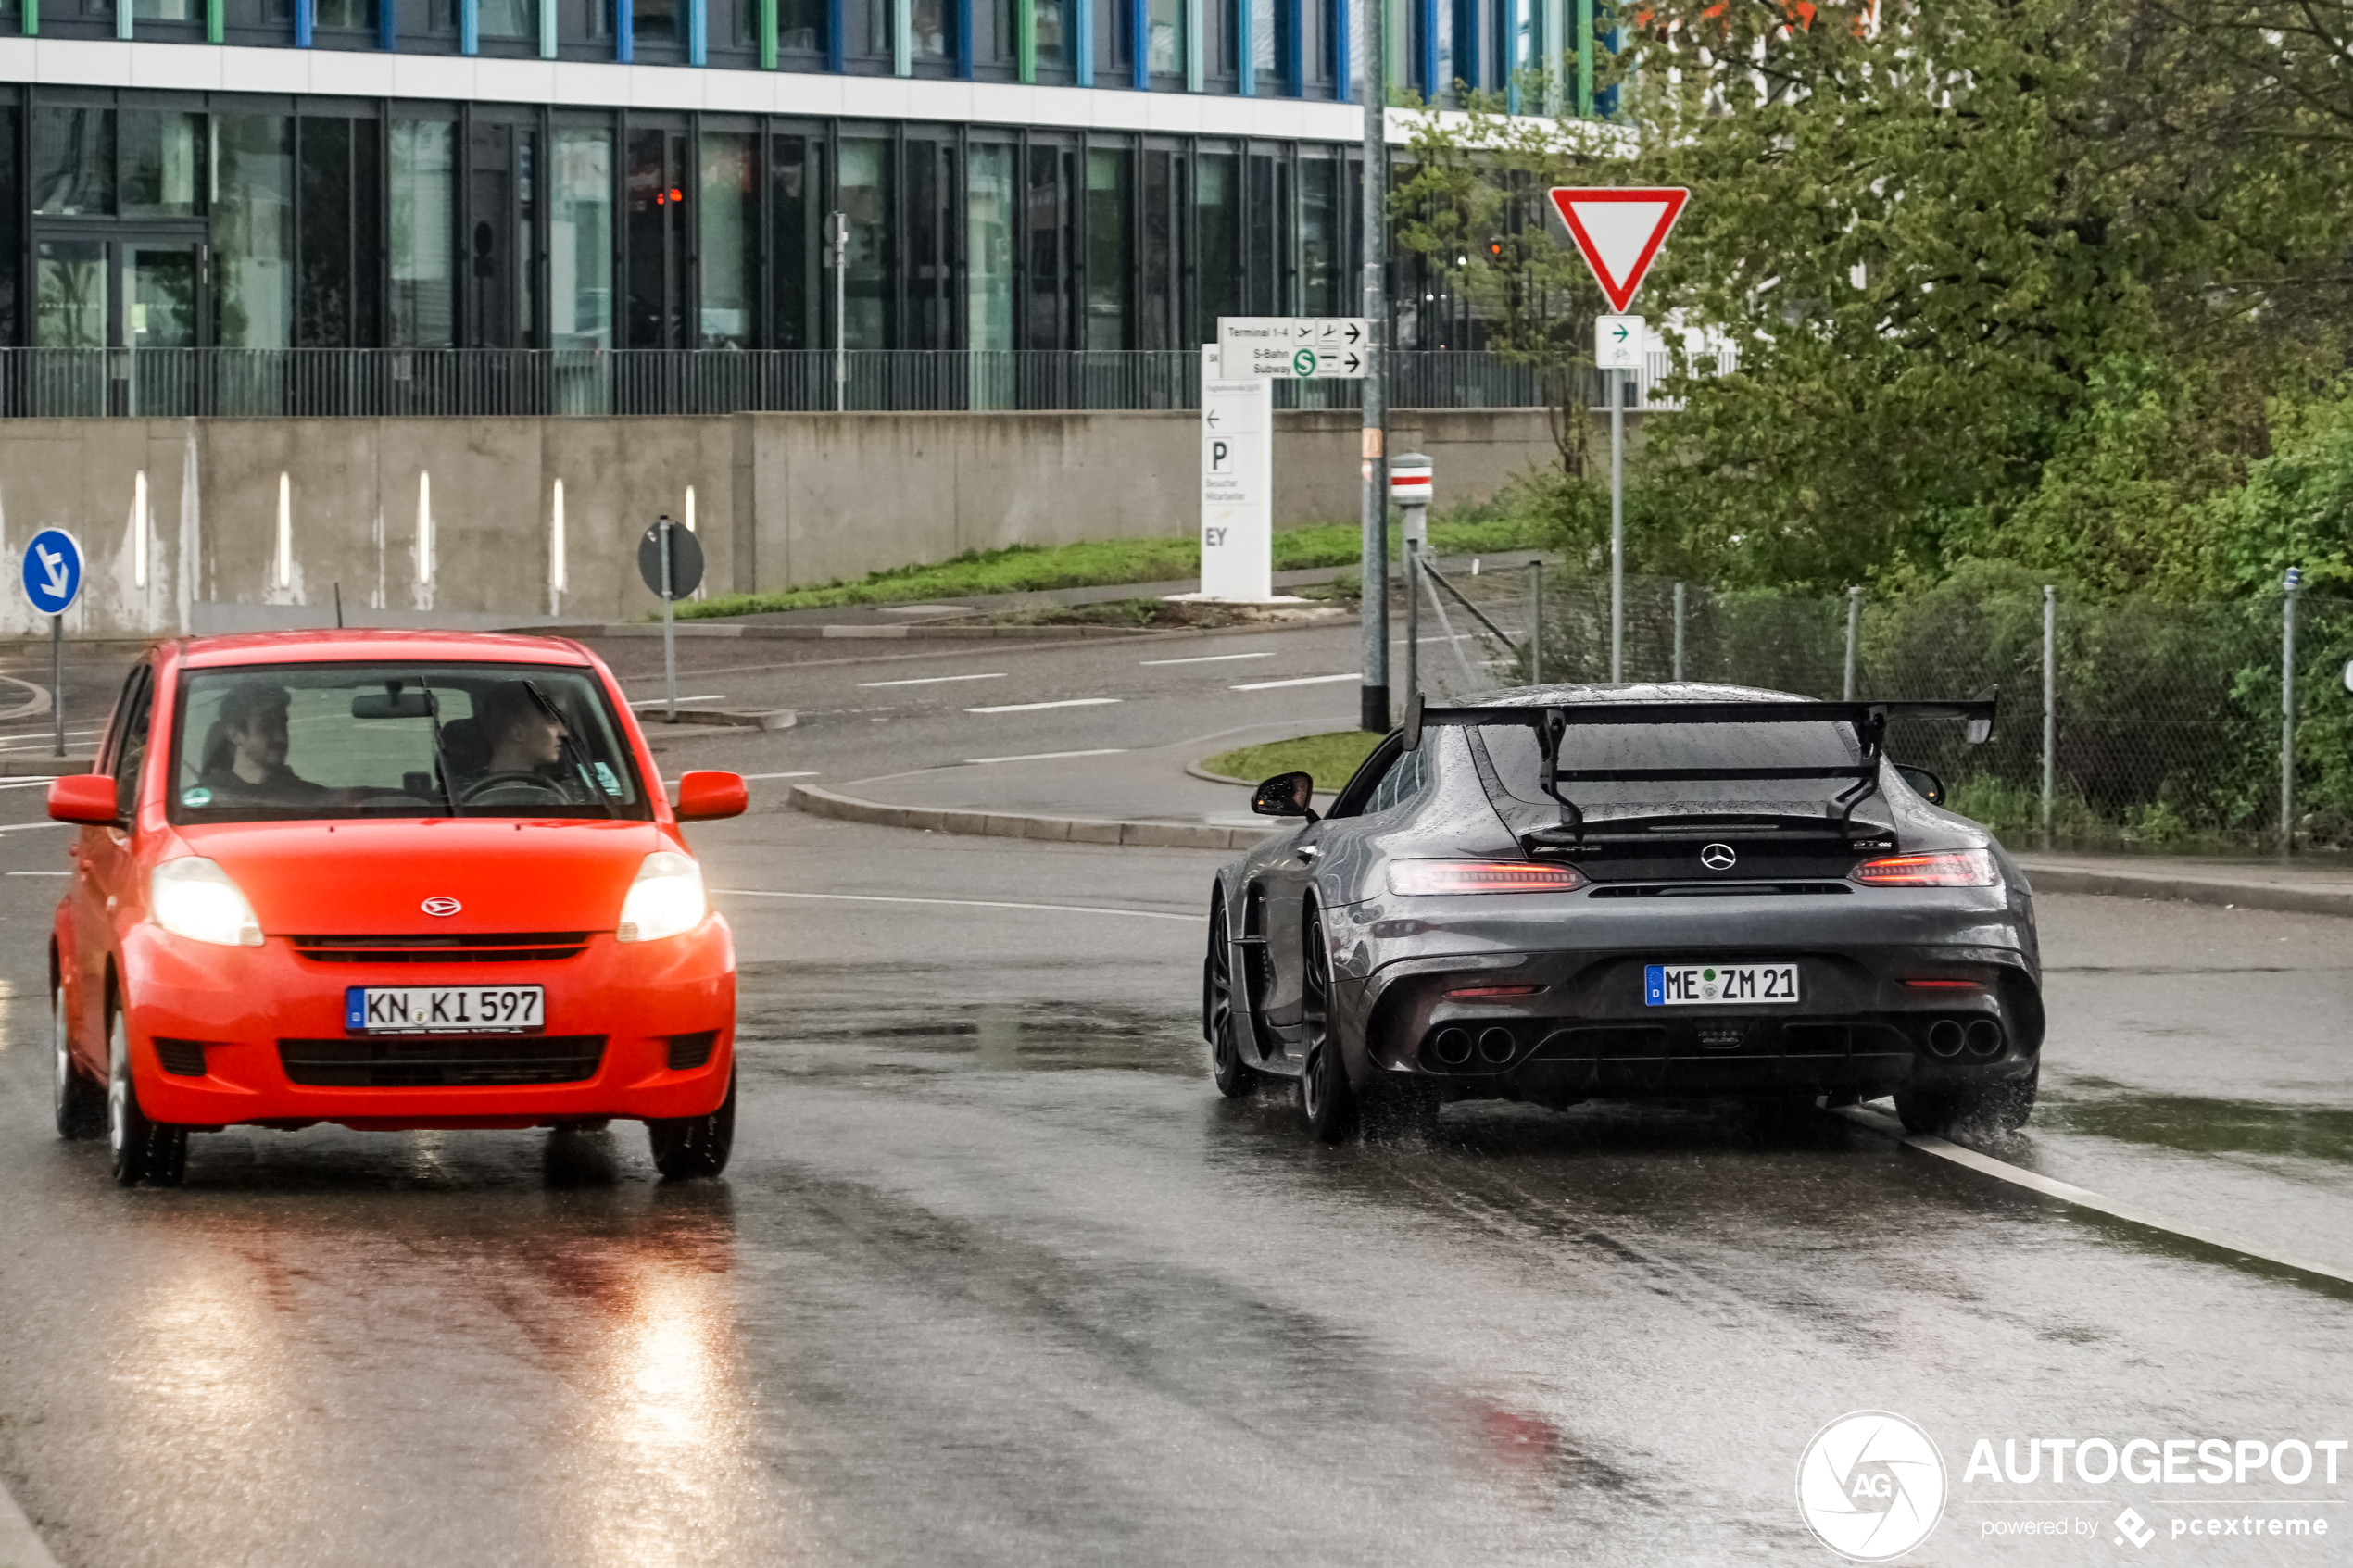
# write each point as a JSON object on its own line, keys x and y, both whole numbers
{"x": 57, "y": 676}
{"x": 669, "y": 628}
{"x": 2287, "y": 710}
{"x": 1536, "y": 623}
{"x": 1854, "y": 618}
{"x": 1678, "y": 631}
{"x": 1413, "y": 565}
{"x": 841, "y": 312}
{"x": 1616, "y": 525}
{"x": 1374, "y": 616}
{"x": 2050, "y": 704}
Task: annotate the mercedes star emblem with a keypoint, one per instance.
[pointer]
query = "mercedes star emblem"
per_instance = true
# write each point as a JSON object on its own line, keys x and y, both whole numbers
{"x": 444, "y": 907}
{"x": 1717, "y": 857}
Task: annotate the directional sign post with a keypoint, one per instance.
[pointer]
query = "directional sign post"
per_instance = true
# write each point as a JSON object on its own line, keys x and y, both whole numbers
{"x": 1619, "y": 229}
{"x": 1295, "y": 347}
{"x": 670, "y": 559}
{"x": 1237, "y": 487}
{"x": 52, "y": 580}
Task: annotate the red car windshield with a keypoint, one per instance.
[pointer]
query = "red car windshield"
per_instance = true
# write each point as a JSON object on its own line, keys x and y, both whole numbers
{"x": 288, "y": 742}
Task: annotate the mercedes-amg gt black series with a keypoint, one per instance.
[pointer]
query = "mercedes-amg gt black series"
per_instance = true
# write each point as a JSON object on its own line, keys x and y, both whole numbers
{"x": 1630, "y": 891}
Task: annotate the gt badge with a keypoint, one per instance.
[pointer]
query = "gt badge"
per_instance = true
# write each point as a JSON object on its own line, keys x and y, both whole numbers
{"x": 441, "y": 909}
{"x": 1717, "y": 857}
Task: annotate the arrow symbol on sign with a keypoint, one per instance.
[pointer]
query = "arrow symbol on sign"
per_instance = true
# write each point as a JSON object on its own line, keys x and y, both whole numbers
{"x": 1352, "y": 362}
{"x": 1621, "y": 332}
{"x": 1353, "y": 331}
{"x": 1212, "y": 420}
{"x": 55, "y": 565}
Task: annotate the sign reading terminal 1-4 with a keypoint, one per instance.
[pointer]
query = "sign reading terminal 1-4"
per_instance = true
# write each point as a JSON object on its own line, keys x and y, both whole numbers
{"x": 1298, "y": 348}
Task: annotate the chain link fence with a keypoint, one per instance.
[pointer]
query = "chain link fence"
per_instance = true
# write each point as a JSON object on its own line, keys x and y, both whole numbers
{"x": 2164, "y": 728}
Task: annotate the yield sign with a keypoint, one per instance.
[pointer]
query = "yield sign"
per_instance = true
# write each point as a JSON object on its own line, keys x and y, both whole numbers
{"x": 1619, "y": 229}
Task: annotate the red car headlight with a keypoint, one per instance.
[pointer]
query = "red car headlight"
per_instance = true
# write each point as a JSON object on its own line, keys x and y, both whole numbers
{"x": 1942, "y": 868}
{"x": 1414, "y": 878}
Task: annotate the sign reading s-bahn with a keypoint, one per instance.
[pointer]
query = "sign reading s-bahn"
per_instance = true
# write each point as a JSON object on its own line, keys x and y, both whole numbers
{"x": 1297, "y": 348}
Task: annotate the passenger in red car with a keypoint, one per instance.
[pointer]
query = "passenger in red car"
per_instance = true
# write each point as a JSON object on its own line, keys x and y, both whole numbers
{"x": 245, "y": 755}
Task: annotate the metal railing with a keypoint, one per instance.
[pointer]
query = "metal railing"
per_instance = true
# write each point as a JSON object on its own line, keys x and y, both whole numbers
{"x": 327, "y": 383}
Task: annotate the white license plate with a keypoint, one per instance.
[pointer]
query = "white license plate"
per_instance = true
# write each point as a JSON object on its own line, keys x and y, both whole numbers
{"x": 444, "y": 1009}
{"x": 1718, "y": 984}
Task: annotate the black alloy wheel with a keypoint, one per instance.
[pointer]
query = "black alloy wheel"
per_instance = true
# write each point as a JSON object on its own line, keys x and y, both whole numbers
{"x": 687, "y": 1146}
{"x": 1235, "y": 1078}
{"x": 1995, "y": 1109}
{"x": 79, "y": 1104}
{"x": 1326, "y": 1098}
{"x": 139, "y": 1150}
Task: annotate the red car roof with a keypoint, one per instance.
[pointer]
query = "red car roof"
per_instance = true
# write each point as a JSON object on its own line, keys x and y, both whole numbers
{"x": 324, "y": 646}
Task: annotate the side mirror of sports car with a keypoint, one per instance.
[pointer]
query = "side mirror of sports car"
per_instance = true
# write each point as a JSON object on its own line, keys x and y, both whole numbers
{"x": 83, "y": 798}
{"x": 1925, "y": 785}
{"x": 704, "y": 796}
{"x": 1284, "y": 794}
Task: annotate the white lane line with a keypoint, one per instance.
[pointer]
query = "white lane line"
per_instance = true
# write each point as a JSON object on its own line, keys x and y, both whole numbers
{"x": 2067, "y": 1192}
{"x": 934, "y": 680}
{"x": 40, "y": 874}
{"x": 809, "y": 773}
{"x": 1296, "y": 681}
{"x": 1206, "y": 658}
{"x": 960, "y": 903}
{"x": 1047, "y": 755}
{"x": 28, "y": 827}
{"x": 1066, "y": 702}
{"x": 658, "y": 702}
{"x": 26, "y": 784}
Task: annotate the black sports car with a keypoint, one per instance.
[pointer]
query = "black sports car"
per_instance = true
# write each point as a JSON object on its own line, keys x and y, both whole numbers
{"x": 1625, "y": 891}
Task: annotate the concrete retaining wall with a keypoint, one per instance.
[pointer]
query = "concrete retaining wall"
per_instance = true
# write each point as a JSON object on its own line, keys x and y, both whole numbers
{"x": 452, "y": 522}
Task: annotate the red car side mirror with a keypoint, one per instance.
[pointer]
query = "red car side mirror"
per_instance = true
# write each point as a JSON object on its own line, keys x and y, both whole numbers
{"x": 705, "y": 794}
{"x": 89, "y": 797}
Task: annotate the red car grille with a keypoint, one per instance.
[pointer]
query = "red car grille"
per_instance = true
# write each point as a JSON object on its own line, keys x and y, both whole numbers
{"x": 413, "y": 1061}
{"x": 503, "y": 947}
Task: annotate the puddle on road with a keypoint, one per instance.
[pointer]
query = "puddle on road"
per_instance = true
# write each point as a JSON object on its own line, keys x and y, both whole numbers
{"x": 2200, "y": 1125}
{"x": 824, "y": 1036}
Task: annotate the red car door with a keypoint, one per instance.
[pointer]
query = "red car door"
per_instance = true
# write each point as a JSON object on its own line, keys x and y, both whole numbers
{"x": 103, "y": 857}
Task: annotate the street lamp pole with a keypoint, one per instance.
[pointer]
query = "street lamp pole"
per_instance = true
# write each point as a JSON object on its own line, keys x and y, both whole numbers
{"x": 1374, "y": 711}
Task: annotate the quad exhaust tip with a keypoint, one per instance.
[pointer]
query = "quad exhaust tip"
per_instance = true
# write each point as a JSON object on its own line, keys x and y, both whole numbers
{"x": 1496, "y": 1046}
{"x": 1452, "y": 1047}
{"x": 1946, "y": 1037}
{"x": 1984, "y": 1039}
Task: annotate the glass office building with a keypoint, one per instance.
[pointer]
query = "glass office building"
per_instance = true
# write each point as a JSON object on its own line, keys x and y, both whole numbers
{"x": 658, "y": 174}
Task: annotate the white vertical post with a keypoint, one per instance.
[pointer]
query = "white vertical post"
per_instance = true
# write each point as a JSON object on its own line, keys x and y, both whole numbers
{"x": 139, "y": 529}
{"x": 556, "y": 550}
{"x": 838, "y": 249}
{"x": 2287, "y": 709}
{"x": 669, "y": 626}
{"x": 286, "y": 530}
{"x": 1536, "y": 623}
{"x": 1617, "y": 382}
{"x": 424, "y": 529}
{"x": 1678, "y": 631}
{"x": 1854, "y": 620}
{"x": 2050, "y": 705}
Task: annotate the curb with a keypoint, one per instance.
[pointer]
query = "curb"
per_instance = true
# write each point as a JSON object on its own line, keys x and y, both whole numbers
{"x": 1184, "y": 835}
{"x": 999, "y": 825}
{"x": 723, "y": 717}
{"x": 43, "y": 767}
{"x": 2187, "y": 890}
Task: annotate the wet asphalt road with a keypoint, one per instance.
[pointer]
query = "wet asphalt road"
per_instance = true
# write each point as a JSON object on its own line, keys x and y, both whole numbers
{"x": 996, "y": 1278}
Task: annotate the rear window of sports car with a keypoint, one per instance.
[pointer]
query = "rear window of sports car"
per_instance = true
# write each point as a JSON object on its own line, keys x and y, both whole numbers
{"x": 1519, "y": 761}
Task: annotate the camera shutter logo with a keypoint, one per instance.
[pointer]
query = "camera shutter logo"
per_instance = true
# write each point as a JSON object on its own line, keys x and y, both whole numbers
{"x": 1717, "y": 857}
{"x": 1871, "y": 1485}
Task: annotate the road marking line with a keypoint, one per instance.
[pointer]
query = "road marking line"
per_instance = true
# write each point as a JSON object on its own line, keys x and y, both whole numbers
{"x": 1206, "y": 658}
{"x": 1296, "y": 681}
{"x": 1066, "y": 702}
{"x": 40, "y": 874}
{"x": 810, "y": 773}
{"x": 26, "y": 827}
{"x": 1048, "y": 756}
{"x": 934, "y": 680}
{"x": 26, "y": 784}
{"x": 658, "y": 702}
{"x": 958, "y": 903}
{"x": 2067, "y": 1192}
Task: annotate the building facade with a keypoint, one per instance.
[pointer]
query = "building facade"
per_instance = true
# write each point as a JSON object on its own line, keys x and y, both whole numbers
{"x": 600, "y": 175}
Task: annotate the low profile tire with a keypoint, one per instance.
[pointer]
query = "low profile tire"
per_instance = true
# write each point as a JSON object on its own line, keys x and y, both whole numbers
{"x": 1994, "y": 1109}
{"x": 139, "y": 1151}
{"x": 1235, "y": 1078}
{"x": 1326, "y": 1098}
{"x": 687, "y": 1146}
{"x": 80, "y": 1105}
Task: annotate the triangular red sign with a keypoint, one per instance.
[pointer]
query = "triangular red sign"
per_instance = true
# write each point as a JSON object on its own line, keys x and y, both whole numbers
{"x": 1619, "y": 229}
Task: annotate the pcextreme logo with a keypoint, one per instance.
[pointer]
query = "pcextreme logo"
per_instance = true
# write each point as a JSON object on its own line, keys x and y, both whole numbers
{"x": 1871, "y": 1485}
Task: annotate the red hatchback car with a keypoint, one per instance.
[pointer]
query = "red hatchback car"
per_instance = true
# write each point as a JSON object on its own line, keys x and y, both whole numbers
{"x": 390, "y": 879}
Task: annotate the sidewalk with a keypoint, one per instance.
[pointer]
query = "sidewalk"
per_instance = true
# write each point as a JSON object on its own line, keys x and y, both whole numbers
{"x": 1147, "y": 797}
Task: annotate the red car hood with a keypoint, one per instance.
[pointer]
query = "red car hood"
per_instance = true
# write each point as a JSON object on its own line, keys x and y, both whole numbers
{"x": 373, "y": 878}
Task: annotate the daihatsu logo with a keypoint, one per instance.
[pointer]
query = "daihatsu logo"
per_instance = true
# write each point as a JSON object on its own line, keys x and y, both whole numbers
{"x": 1717, "y": 857}
{"x": 441, "y": 909}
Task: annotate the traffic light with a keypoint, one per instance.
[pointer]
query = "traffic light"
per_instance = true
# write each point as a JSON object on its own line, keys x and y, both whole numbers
{"x": 1495, "y": 250}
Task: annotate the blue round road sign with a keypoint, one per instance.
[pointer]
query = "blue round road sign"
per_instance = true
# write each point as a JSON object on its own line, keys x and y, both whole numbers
{"x": 51, "y": 571}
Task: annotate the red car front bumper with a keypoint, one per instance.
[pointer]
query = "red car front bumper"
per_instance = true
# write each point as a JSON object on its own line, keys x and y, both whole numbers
{"x": 220, "y": 1035}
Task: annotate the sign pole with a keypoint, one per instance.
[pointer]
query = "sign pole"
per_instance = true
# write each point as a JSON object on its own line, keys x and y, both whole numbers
{"x": 1617, "y": 525}
{"x": 1373, "y": 617}
{"x": 57, "y": 676}
{"x": 669, "y": 627}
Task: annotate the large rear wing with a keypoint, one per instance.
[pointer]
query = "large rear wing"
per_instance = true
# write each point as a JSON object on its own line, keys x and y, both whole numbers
{"x": 1552, "y": 724}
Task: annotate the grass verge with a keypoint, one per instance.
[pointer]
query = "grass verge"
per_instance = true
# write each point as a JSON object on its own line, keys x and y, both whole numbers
{"x": 1020, "y": 569}
{"x": 1331, "y": 758}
